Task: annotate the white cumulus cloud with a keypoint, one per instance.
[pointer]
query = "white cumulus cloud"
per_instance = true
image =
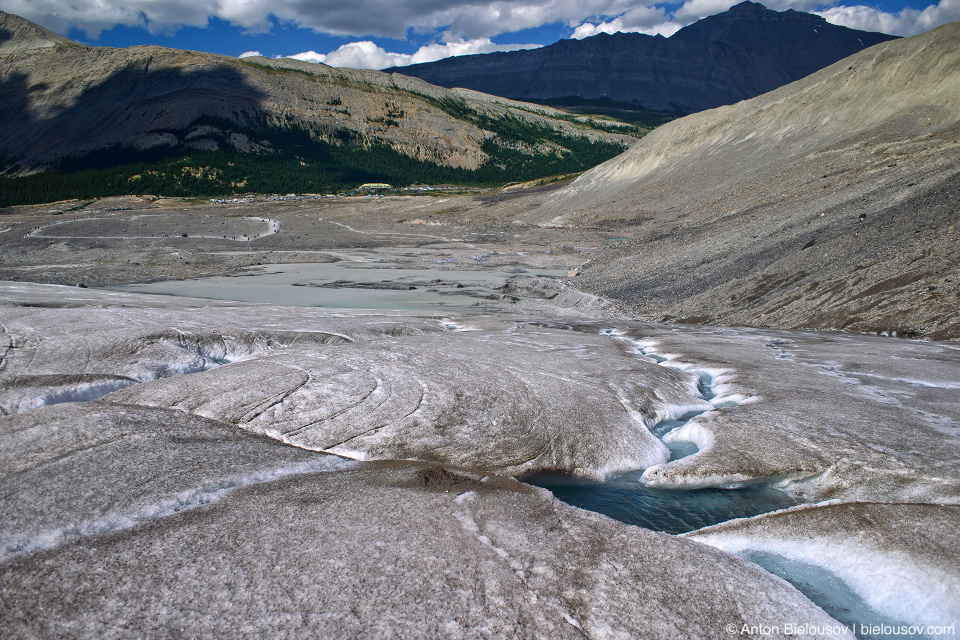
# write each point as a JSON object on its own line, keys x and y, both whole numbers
{"x": 649, "y": 20}
{"x": 655, "y": 20}
{"x": 459, "y": 19}
{"x": 95, "y": 16}
{"x": 907, "y": 22}
{"x": 587, "y": 29}
{"x": 368, "y": 55}
{"x": 471, "y": 19}
{"x": 456, "y": 22}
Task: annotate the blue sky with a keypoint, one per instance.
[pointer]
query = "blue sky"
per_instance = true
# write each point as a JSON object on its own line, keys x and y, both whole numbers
{"x": 381, "y": 33}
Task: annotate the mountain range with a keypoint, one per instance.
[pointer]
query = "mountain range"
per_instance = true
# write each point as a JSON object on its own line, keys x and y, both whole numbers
{"x": 188, "y": 123}
{"x": 829, "y": 203}
{"x": 85, "y": 121}
{"x": 738, "y": 54}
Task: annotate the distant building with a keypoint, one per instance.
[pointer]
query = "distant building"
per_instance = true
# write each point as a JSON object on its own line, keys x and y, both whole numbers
{"x": 375, "y": 186}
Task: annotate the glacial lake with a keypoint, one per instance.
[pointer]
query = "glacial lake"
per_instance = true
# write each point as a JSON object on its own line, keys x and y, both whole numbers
{"x": 351, "y": 285}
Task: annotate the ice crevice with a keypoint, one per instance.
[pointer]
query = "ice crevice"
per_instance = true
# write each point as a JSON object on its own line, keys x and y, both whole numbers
{"x": 31, "y": 542}
{"x": 90, "y": 390}
{"x": 83, "y": 392}
{"x": 187, "y": 353}
{"x": 858, "y": 574}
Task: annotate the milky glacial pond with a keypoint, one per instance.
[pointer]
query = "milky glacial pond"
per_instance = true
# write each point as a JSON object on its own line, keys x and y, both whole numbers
{"x": 351, "y": 285}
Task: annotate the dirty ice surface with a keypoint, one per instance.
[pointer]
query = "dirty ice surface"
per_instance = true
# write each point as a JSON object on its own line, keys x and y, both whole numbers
{"x": 860, "y": 433}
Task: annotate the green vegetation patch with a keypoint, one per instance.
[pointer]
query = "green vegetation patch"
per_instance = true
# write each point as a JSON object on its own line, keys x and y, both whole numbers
{"x": 622, "y": 118}
{"x": 641, "y": 119}
{"x": 296, "y": 162}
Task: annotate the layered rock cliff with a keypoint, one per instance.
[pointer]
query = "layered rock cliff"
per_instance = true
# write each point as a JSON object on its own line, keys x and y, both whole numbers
{"x": 732, "y": 56}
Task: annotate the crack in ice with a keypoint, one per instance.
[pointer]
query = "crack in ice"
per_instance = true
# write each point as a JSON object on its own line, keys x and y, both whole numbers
{"x": 169, "y": 506}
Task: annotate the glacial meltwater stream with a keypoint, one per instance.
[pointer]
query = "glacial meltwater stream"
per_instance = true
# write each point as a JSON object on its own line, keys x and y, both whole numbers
{"x": 674, "y": 511}
{"x": 627, "y": 499}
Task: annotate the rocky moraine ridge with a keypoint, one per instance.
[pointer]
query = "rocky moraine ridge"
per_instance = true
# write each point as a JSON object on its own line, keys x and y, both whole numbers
{"x": 830, "y": 203}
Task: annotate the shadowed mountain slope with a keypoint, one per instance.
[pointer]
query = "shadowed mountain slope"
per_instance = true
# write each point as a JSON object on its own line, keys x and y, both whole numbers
{"x": 830, "y": 203}
{"x": 731, "y": 56}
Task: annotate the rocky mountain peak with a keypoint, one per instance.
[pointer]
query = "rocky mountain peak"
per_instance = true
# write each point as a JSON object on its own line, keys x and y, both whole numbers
{"x": 16, "y": 33}
{"x": 748, "y": 9}
{"x": 749, "y": 21}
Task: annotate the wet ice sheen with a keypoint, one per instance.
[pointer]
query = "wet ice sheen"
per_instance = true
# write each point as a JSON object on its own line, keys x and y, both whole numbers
{"x": 831, "y": 594}
{"x": 672, "y": 511}
{"x": 624, "y": 497}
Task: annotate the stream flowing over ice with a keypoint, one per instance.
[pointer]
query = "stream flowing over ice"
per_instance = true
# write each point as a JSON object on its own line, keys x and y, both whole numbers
{"x": 669, "y": 510}
{"x": 626, "y": 498}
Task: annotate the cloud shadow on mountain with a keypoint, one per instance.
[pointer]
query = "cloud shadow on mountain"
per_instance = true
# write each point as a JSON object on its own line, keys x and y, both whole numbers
{"x": 129, "y": 106}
